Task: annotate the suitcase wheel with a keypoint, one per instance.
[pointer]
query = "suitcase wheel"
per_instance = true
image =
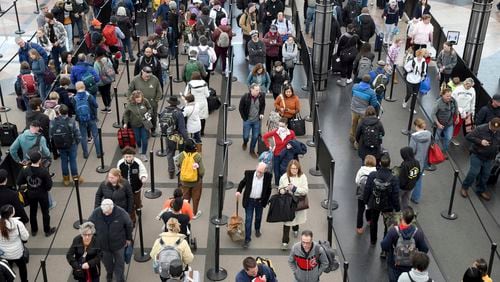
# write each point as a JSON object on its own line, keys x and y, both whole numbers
{"x": 194, "y": 244}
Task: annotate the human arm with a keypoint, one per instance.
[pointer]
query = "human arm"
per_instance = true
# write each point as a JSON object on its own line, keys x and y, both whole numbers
{"x": 323, "y": 260}
{"x": 475, "y": 137}
{"x": 241, "y": 185}
{"x": 130, "y": 197}
{"x": 201, "y": 168}
{"x": 266, "y": 136}
{"x": 128, "y": 228}
{"x": 187, "y": 255}
{"x": 23, "y": 232}
{"x": 98, "y": 196}
{"x": 119, "y": 33}
{"x": 291, "y": 262}
{"x": 143, "y": 173}
{"x": 302, "y": 187}
{"x": 71, "y": 255}
{"x": 267, "y": 81}
{"x": 13, "y": 149}
{"x": 386, "y": 243}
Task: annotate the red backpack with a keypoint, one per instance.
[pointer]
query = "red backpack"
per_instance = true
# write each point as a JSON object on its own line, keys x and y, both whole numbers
{"x": 28, "y": 85}
{"x": 109, "y": 35}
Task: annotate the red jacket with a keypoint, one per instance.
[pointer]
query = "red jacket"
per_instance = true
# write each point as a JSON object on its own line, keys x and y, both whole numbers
{"x": 273, "y": 43}
{"x": 279, "y": 144}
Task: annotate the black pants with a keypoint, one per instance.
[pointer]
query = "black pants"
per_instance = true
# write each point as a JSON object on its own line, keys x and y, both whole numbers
{"x": 346, "y": 70}
{"x": 361, "y": 211}
{"x": 375, "y": 214}
{"x": 270, "y": 63}
{"x": 105, "y": 91}
{"x": 21, "y": 264}
{"x": 203, "y": 121}
{"x": 411, "y": 89}
{"x": 41, "y": 198}
{"x": 286, "y": 233}
{"x": 246, "y": 38}
{"x": 444, "y": 77}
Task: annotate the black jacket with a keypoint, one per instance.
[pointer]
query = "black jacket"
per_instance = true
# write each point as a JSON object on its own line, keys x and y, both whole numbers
{"x": 246, "y": 183}
{"x": 365, "y": 27}
{"x": 43, "y": 182}
{"x": 93, "y": 258}
{"x": 384, "y": 174}
{"x": 417, "y": 12}
{"x": 182, "y": 218}
{"x": 151, "y": 62}
{"x": 8, "y": 195}
{"x": 121, "y": 196}
{"x": 409, "y": 171}
{"x": 133, "y": 170}
{"x": 113, "y": 231}
{"x": 483, "y": 132}
{"x": 487, "y": 113}
{"x": 244, "y": 106}
{"x": 365, "y": 150}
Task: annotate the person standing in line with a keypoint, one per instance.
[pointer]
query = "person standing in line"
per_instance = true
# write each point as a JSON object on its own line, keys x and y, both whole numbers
{"x": 199, "y": 89}
{"x": 253, "y": 271}
{"x": 363, "y": 96}
{"x": 260, "y": 76}
{"x": 85, "y": 254}
{"x": 138, "y": 109}
{"x": 12, "y": 235}
{"x": 248, "y": 23}
{"x": 489, "y": 111}
{"x": 369, "y": 135}
{"x": 114, "y": 227}
{"x": 281, "y": 136}
{"x": 116, "y": 188}
{"x": 57, "y": 36}
{"x": 288, "y": 103}
{"x": 422, "y": 33}
{"x": 306, "y": 259}
{"x": 39, "y": 183}
{"x": 416, "y": 72}
{"x": 485, "y": 142}
{"x": 192, "y": 190}
{"x": 418, "y": 272}
{"x": 446, "y": 61}
{"x": 360, "y": 180}
{"x": 257, "y": 186}
{"x": 256, "y": 50}
{"x": 9, "y": 196}
{"x": 465, "y": 95}
{"x": 391, "y": 18}
{"x": 409, "y": 172}
{"x": 191, "y": 113}
{"x": 290, "y": 52}
{"x": 104, "y": 68}
{"x": 251, "y": 108}
{"x": 443, "y": 114}
{"x": 420, "y": 141}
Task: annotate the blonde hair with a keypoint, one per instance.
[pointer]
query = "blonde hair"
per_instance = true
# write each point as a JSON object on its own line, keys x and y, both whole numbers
{"x": 420, "y": 123}
{"x": 370, "y": 161}
{"x": 173, "y": 225}
{"x": 54, "y": 96}
{"x": 136, "y": 94}
{"x": 420, "y": 52}
{"x": 116, "y": 173}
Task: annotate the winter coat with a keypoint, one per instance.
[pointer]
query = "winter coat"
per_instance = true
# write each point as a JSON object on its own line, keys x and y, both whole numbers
{"x": 390, "y": 240}
{"x": 279, "y": 144}
{"x": 443, "y": 112}
{"x": 248, "y": 22}
{"x": 365, "y": 27}
{"x": 487, "y": 113}
{"x": 23, "y": 52}
{"x": 256, "y": 52}
{"x": 170, "y": 239}
{"x": 247, "y": 182}
{"x": 416, "y": 71}
{"x": 125, "y": 25}
{"x": 150, "y": 88}
{"x": 416, "y": 276}
{"x": 300, "y": 188}
{"x": 92, "y": 104}
{"x": 199, "y": 89}
{"x": 273, "y": 42}
{"x": 262, "y": 79}
{"x": 290, "y": 52}
{"x": 134, "y": 113}
{"x": 263, "y": 269}
{"x": 483, "y": 132}
{"x": 9, "y": 196}
{"x": 144, "y": 61}
{"x": 80, "y": 69}
{"x": 114, "y": 230}
{"x": 93, "y": 257}
{"x": 363, "y": 96}
{"x": 391, "y": 14}
{"x": 133, "y": 173}
{"x": 307, "y": 266}
{"x": 121, "y": 195}
{"x": 98, "y": 66}
{"x": 43, "y": 183}
{"x": 366, "y": 150}
{"x": 448, "y": 60}
{"x": 383, "y": 174}
{"x": 409, "y": 170}
{"x": 217, "y": 32}
{"x": 25, "y": 142}
{"x": 13, "y": 246}
{"x": 278, "y": 80}
{"x": 292, "y": 105}
{"x": 60, "y": 33}
{"x": 466, "y": 99}
{"x": 245, "y": 103}
{"x": 363, "y": 172}
{"x": 420, "y": 142}
{"x": 286, "y": 155}
{"x": 421, "y": 10}
{"x": 191, "y": 112}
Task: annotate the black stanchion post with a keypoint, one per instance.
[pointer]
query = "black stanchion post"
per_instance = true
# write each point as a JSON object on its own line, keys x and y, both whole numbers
{"x": 407, "y": 131}
{"x": 141, "y": 256}
{"x": 492, "y": 256}
{"x": 37, "y": 11}
{"x": 230, "y": 84}
{"x": 449, "y": 214}
{"x": 43, "y": 265}
{"x": 128, "y": 70}
{"x": 379, "y": 51}
{"x": 102, "y": 168}
{"x": 329, "y": 203}
{"x": 80, "y": 220}
{"x": 346, "y": 268}
{"x": 19, "y": 30}
{"x": 315, "y": 118}
{"x": 218, "y": 273}
{"x": 220, "y": 219}
{"x": 3, "y": 108}
{"x": 171, "y": 86}
{"x": 393, "y": 77}
{"x": 225, "y": 140}
{"x": 152, "y": 193}
{"x": 231, "y": 65}
{"x": 177, "y": 78}
{"x": 118, "y": 123}
{"x": 315, "y": 170}
{"x": 138, "y": 38}
{"x": 161, "y": 152}
{"x": 228, "y": 185}
{"x": 146, "y": 24}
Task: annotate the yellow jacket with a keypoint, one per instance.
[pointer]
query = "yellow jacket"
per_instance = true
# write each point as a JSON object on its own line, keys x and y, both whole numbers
{"x": 169, "y": 239}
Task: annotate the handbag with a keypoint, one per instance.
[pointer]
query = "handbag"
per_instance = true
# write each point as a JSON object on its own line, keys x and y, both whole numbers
{"x": 235, "y": 228}
{"x": 425, "y": 86}
{"x": 26, "y": 251}
{"x": 281, "y": 207}
{"x": 435, "y": 155}
{"x": 146, "y": 120}
{"x": 298, "y": 125}
{"x": 302, "y": 201}
{"x": 48, "y": 76}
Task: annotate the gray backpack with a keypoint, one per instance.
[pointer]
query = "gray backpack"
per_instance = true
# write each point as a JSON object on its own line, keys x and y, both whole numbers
{"x": 167, "y": 254}
{"x": 405, "y": 248}
{"x": 364, "y": 67}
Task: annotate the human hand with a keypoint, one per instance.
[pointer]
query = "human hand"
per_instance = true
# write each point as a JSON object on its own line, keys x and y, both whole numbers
{"x": 128, "y": 242}
{"x": 85, "y": 266}
{"x": 261, "y": 116}
{"x": 124, "y": 125}
{"x": 237, "y": 194}
{"x": 439, "y": 125}
{"x": 485, "y": 143}
{"x": 143, "y": 179}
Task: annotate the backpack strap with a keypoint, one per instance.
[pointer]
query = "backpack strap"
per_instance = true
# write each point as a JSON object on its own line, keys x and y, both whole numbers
{"x": 409, "y": 276}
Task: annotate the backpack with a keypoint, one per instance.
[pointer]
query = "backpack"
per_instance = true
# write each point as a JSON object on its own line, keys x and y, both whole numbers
{"x": 371, "y": 136}
{"x": 361, "y": 187}
{"x": 107, "y": 73}
{"x": 364, "y": 67}
{"x": 168, "y": 122}
{"x": 188, "y": 172}
{"x": 379, "y": 83}
{"x": 219, "y": 16}
{"x": 51, "y": 113}
{"x": 167, "y": 254}
{"x": 191, "y": 66}
{"x": 28, "y": 85}
{"x": 99, "y": 3}
{"x": 89, "y": 80}
{"x": 208, "y": 32}
{"x": 62, "y": 136}
{"x": 333, "y": 263}
{"x": 380, "y": 194}
{"x": 82, "y": 107}
{"x": 223, "y": 40}
{"x": 405, "y": 248}
{"x": 267, "y": 262}
{"x": 109, "y": 35}
{"x": 204, "y": 57}
{"x": 238, "y": 17}
{"x": 347, "y": 55}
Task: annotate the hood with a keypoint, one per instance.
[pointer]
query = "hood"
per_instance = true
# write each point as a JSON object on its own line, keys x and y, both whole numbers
{"x": 422, "y": 136}
{"x": 50, "y": 104}
{"x": 370, "y": 120}
{"x": 407, "y": 153}
{"x": 28, "y": 136}
{"x": 298, "y": 148}
{"x": 406, "y": 233}
{"x": 363, "y": 86}
{"x": 172, "y": 234}
{"x": 23, "y": 71}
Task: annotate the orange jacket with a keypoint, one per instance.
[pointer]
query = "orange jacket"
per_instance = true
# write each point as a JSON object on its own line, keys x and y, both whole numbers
{"x": 186, "y": 207}
{"x": 292, "y": 105}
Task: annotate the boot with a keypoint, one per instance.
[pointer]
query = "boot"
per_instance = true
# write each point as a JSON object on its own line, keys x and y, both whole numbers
{"x": 79, "y": 177}
{"x": 66, "y": 180}
{"x": 342, "y": 82}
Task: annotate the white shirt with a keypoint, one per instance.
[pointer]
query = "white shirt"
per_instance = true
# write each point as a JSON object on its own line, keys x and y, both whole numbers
{"x": 257, "y": 186}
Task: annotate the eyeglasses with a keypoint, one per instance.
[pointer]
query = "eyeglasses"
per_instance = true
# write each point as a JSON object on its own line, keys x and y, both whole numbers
{"x": 294, "y": 167}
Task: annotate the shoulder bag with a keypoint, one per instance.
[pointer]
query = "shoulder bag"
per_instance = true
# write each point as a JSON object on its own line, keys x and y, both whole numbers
{"x": 435, "y": 155}
{"x": 26, "y": 251}
{"x": 235, "y": 228}
{"x": 298, "y": 125}
{"x": 281, "y": 207}
{"x": 146, "y": 122}
{"x": 302, "y": 201}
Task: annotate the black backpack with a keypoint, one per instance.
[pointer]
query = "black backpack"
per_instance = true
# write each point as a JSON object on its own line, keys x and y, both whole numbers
{"x": 380, "y": 194}
{"x": 62, "y": 135}
{"x": 371, "y": 136}
{"x": 333, "y": 263}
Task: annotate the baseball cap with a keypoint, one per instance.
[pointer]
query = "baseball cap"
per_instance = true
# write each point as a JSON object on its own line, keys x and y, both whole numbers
{"x": 147, "y": 69}
{"x": 496, "y": 97}
{"x": 254, "y": 32}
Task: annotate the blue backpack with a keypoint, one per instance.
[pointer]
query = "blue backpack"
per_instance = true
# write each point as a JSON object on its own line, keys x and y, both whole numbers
{"x": 204, "y": 57}
{"x": 82, "y": 107}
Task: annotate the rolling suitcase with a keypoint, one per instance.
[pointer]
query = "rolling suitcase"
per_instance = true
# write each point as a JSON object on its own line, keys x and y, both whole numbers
{"x": 495, "y": 171}
{"x": 8, "y": 132}
{"x": 126, "y": 137}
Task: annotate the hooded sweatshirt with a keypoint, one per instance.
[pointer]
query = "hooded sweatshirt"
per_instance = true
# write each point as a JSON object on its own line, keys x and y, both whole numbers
{"x": 409, "y": 170}
{"x": 363, "y": 172}
{"x": 307, "y": 266}
{"x": 25, "y": 142}
{"x": 390, "y": 240}
{"x": 420, "y": 142}
{"x": 363, "y": 96}
{"x": 466, "y": 99}
{"x": 416, "y": 276}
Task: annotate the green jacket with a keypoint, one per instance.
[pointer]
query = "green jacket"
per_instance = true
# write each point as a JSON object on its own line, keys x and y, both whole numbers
{"x": 134, "y": 113}
{"x": 201, "y": 169}
{"x": 151, "y": 88}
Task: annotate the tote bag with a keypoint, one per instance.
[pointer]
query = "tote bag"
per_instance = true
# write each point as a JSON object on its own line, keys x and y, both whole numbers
{"x": 298, "y": 125}
{"x": 435, "y": 155}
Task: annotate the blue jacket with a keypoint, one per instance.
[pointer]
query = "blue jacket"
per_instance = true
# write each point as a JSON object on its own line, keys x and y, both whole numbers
{"x": 79, "y": 70}
{"x": 92, "y": 103}
{"x": 390, "y": 240}
{"x": 24, "y": 56}
{"x": 286, "y": 155}
{"x": 128, "y": 5}
{"x": 242, "y": 276}
{"x": 162, "y": 12}
{"x": 363, "y": 96}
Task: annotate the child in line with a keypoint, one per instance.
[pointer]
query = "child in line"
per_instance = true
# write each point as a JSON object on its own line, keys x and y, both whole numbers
{"x": 361, "y": 177}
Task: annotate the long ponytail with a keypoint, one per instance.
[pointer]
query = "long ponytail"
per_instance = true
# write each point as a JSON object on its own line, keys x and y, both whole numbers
{"x": 6, "y": 212}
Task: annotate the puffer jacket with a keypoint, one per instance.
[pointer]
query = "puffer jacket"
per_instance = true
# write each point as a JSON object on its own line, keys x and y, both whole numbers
{"x": 112, "y": 236}
{"x": 199, "y": 89}
{"x": 366, "y": 27}
{"x": 307, "y": 266}
{"x": 384, "y": 174}
{"x": 487, "y": 113}
{"x": 286, "y": 155}
{"x": 121, "y": 195}
{"x": 13, "y": 247}
{"x": 170, "y": 239}
{"x": 256, "y": 52}
{"x": 363, "y": 96}
{"x": 364, "y": 150}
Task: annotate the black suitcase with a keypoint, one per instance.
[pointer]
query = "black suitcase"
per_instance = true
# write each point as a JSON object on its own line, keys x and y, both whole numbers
{"x": 21, "y": 105}
{"x": 495, "y": 171}
{"x": 379, "y": 40}
{"x": 8, "y": 133}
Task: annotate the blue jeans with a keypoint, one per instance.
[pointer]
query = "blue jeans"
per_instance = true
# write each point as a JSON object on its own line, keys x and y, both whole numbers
{"x": 252, "y": 205}
{"x": 417, "y": 190}
{"x": 445, "y": 135}
{"x": 68, "y": 157}
{"x": 93, "y": 130}
{"x": 141, "y": 138}
{"x": 127, "y": 47}
{"x": 310, "y": 19}
{"x": 79, "y": 24}
{"x": 255, "y": 127}
{"x": 56, "y": 56}
{"x": 43, "y": 89}
{"x": 197, "y": 137}
{"x": 477, "y": 168}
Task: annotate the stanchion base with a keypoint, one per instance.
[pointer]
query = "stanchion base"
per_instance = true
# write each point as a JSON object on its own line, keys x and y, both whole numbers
{"x": 309, "y": 118}
{"x": 102, "y": 169}
{"x": 117, "y": 125}
{"x": 216, "y": 274}
{"x": 4, "y": 109}
{"x": 451, "y": 216}
{"x": 150, "y": 194}
{"x": 215, "y": 220}
{"x": 76, "y": 224}
{"x": 305, "y": 88}
{"x": 19, "y": 31}
{"x": 36, "y": 12}
{"x": 234, "y": 79}
{"x": 315, "y": 172}
{"x": 390, "y": 100}
{"x": 405, "y": 132}
{"x": 1, "y": 56}
{"x": 231, "y": 108}
{"x": 177, "y": 80}
{"x": 229, "y": 185}
{"x": 223, "y": 142}
{"x": 324, "y": 204}
{"x": 310, "y": 143}
{"x": 160, "y": 153}
{"x": 431, "y": 168}
{"x": 144, "y": 257}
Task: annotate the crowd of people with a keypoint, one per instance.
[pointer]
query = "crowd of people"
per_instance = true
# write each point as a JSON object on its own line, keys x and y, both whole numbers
{"x": 58, "y": 90}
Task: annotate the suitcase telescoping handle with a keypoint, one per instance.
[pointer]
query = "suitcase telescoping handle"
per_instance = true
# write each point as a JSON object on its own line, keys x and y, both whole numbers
{"x": 237, "y": 205}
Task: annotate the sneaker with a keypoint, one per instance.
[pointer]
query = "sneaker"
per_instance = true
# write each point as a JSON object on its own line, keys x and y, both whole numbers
{"x": 254, "y": 155}
{"x": 246, "y": 244}
{"x": 144, "y": 158}
{"x": 54, "y": 204}
{"x": 455, "y": 142}
{"x": 108, "y": 110}
{"x": 132, "y": 59}
{"x": 383, "y": 255}
{"x": 405, "y": 105}
{"x": 348, "y": 81}
{"x": 51, "y": 231}
{"x": 90, "y": 140}
{"x": 197, "y": 215}
{"x": 295, "y": 234}
{"x": 257, "y": 233}
{"x": 485, "y": 195}
{"x": 284, "y": 246}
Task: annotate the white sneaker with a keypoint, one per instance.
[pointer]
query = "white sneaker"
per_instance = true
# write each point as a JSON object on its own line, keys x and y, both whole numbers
{"x": 348, "y": 81}
{"x": 455, "y": 142}
{"x": 405, "y": 105}
{"x": 284, "y": 246}
{"x": 144, "y": 158}
{"x": 197, "y": 215}
{"x": 54, "y": 204}
{"x": 414, "y": 111}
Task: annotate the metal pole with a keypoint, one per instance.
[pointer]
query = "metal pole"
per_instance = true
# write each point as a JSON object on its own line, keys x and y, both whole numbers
{"x": 393, "y": 77}
{"x": 224, "y": 139}
{"x": 346, "y": 267}
{"x": 217, "y": 273}
{"x": 117, "y": 124}
{"x": 19, "y": 30}
{"x": 329, "y": 203}
{"x": 315, "y": 118}
{"x": 220, "y": 219}
{"x": 80, "y": 220}
{"x": 171, "y": 86}
{"x": 128, "y": 70}
{"x": 230, "y": 83}
{"x": 152, "y": 193}
{"x": 161, "y": 152}
{"x": 407, "y": 131}
{"x": 146, "y": 23}
{"x": 44, "y": 269}
{"x": 103, "y": 168}
{"x": 178, "y": 78}
{"x": 3, "y": 108}
{"x": 141, "y": 256}
{"x": 138, "y": 47}
{"x": 37, "y": 11}
{"x": 492, "y": 256}
{"x": 315, "y": 171}
{"x": 231, "y": 60}
{"x": 449, "y": 214}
